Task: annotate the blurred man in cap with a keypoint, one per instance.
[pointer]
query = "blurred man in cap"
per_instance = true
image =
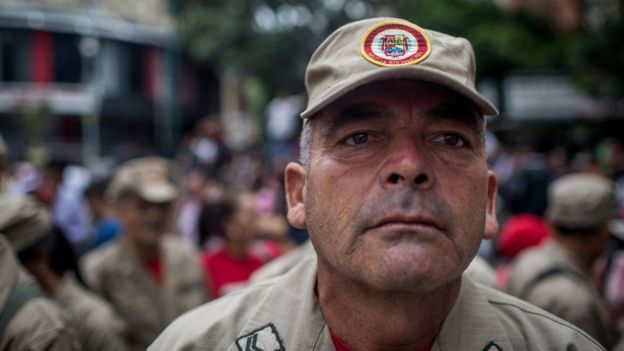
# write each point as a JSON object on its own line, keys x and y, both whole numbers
{"x": 28, "y": 320}
{"x": 27, "y": 226}
{"x": 148, "y": 275}
{"x": 394, "y": 190}
{"x": 557, "y": 276}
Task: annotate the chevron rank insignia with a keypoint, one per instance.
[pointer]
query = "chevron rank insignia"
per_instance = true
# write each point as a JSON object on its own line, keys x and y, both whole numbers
{"x": 492, "y": 347}
{"x": 265, "y": 338}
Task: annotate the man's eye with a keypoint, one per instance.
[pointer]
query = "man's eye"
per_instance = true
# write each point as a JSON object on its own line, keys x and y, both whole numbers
{"x": 454, "y": 140}
{"x": 357, "y": 139}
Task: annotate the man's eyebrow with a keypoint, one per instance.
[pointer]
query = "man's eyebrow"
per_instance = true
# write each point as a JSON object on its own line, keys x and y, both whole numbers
{"x": 460, "y": 111}
{"x": 356, "y": 113}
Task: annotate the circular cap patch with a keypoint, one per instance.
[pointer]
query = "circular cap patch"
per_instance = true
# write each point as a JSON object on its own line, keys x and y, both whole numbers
{"x": 395, "y": 44}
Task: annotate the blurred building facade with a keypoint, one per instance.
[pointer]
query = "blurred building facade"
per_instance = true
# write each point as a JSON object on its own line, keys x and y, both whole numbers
{"x": 549, "y": 101}
{"x": 84, "y": 78}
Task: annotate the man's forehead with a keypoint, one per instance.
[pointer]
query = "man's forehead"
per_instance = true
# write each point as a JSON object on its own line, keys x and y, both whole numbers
{"x": 375, "y": 103}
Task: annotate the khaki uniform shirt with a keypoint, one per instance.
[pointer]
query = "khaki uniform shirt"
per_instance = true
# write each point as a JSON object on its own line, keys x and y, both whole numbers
{"x": 115, "y": 273}
{"x": 568, "y": 293}
{"x": 283, "y": 264}
{"x": 481, "y": 272}
{"x": 93, "y": 319}
{"x": 284, "y": 314}
{"x": 38, "y": 324}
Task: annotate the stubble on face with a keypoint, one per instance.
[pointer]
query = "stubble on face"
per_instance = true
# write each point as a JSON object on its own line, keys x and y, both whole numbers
{"x": 346, "y": 221}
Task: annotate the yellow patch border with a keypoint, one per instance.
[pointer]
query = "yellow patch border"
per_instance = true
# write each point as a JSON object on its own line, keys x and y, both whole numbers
{"x": 414, "y": 59}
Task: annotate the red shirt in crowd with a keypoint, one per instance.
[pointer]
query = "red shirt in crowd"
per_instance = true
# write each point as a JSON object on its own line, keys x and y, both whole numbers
{"x": 226, "y": 273}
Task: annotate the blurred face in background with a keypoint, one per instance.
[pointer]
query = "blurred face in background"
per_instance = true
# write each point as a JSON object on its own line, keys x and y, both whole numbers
{"x": 143, "y": 222}
{"x": 241, "y": 224}
{"x": 195, "y": 183}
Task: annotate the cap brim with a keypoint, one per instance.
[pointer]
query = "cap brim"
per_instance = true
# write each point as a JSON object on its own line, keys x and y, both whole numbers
{"x": 616, "y": 227}
{"x": 409, "y": 73}
{"x": 158, "y": 193}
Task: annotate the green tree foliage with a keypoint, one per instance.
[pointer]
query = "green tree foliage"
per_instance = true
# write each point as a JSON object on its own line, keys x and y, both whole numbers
{"x": 270, "y": 40}
{"x": 229, "y": 33}
{"x": 600, "y": 67}
{"x": 503, "y": 41}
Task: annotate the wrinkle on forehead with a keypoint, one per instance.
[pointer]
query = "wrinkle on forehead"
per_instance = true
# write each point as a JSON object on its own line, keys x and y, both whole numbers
{"x": 458, "y": 110}
{"x": 359, "y": 112}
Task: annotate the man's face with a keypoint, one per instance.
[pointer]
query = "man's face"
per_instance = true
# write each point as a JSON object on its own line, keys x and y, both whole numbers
{"x": 397, "y": 194}
{"x": 143, "y": 222}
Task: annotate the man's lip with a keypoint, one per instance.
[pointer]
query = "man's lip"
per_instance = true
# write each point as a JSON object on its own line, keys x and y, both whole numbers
{"x": 407, "y": 220}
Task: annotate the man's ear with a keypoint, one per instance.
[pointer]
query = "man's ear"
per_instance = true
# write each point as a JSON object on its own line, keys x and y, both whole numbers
{"x": 294, "y": 182}
{"x": 491, "y": 223}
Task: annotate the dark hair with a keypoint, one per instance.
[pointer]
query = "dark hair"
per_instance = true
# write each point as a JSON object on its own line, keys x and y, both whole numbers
{"x": 214, "y": 215}
{"x": 62, "y": 255}
{"x": 97, "y": 189}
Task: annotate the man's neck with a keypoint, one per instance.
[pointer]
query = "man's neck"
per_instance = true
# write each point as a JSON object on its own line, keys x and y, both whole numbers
{"x": 145, "y": 253}
{"x": 236, "y": 250}
{"x": 366, "y": 320}
{"x": 579, "y": 250}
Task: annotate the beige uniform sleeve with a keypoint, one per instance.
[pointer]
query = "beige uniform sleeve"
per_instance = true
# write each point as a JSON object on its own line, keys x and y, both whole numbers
{"x": 39, "y": 326}
{"x": 93, "y": 319}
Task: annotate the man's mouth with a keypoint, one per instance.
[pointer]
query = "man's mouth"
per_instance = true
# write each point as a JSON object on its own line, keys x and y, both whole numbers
{"x": 402, "y": 224}
{"x": 416, "y": 220}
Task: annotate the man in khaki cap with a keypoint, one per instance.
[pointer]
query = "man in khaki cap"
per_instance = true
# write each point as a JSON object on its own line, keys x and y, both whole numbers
{"x": 27, "y": 226}
{"x": 148, "y": 275}
{"x": 394, "y": 190}
{"x": 557, "y": 276}
{"x": 28, "y": 320}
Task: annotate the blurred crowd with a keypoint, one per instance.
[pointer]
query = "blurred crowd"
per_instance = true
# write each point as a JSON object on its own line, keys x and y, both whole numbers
{"x": 117, "y": 256}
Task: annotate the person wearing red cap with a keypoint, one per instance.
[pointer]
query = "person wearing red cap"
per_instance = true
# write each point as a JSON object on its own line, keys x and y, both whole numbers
{"x": 519, "y": 233}
{"x": 557, "y": 276}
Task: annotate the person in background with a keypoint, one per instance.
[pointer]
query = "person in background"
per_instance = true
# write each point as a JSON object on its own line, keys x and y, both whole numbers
{"x": 29, "y": 321}
{"x": 147, "y": 274}
{"x": 105, "y": 226}
{"x": 519, "y": 233}
{"x": 51, "y": 178}
{"x": 394, "y": 190}
{"x": 234, "y": 220}
{"x": 188, "y": 207}
{"x": 612, "y": 273}
{"x": 557, "y": 276}
{"x": 27, "y": 226}
{"x": 282, "y": 126}
{"x": 207, "y": 147}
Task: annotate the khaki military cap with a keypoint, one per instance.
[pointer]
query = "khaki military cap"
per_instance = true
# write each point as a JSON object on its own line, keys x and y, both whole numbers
{"x": 379, "y": 49}
{"x": 149, "y": 177}
{"x": 581, "y": 201}
{"x": 617, "y": 228}
{"x": 23, "y": 221}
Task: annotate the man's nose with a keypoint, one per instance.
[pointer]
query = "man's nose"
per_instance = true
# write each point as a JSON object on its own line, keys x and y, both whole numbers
{"x": 406, "y": 165}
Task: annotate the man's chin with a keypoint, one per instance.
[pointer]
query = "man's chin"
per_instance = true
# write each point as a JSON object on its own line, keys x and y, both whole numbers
{"x": 151, "y": 238}
{"x": 411, "y": 274}
{"x": 401, "y": 282}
